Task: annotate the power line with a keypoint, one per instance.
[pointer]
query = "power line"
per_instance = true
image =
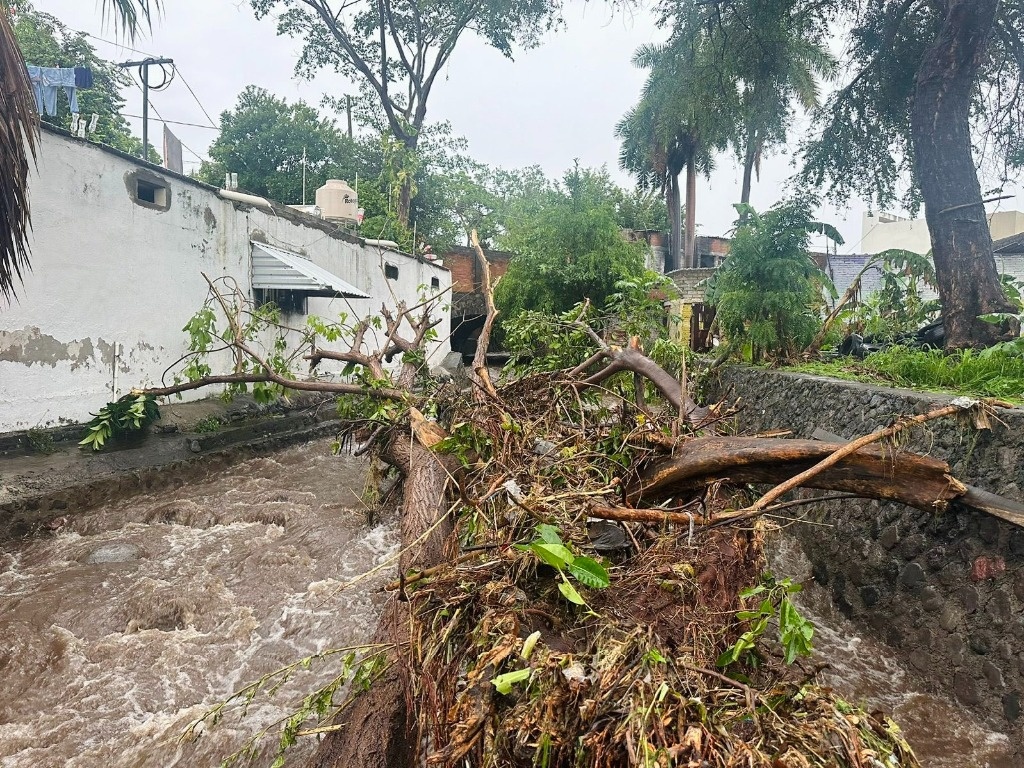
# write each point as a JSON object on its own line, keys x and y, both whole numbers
{"x": 213, "y": 124}
{"x": 177, "y": 122}
{"x": 160, "y": 117}
{"x": 177, "y": 69}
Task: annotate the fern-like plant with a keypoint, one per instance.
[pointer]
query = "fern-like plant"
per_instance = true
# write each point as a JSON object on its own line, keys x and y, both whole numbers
{"x": 769, "y": 292}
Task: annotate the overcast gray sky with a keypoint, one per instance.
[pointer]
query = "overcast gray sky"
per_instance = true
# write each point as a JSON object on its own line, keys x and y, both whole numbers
{"x": 551, "y": 105}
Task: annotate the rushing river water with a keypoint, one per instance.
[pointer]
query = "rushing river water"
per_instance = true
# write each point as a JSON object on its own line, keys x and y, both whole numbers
{"x": 128, "y": 623}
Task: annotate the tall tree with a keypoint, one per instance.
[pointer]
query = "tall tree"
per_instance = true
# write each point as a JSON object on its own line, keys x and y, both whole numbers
{"x": 678, "y": 124}
{"x": 19, "y": 132}
{"x": 933, "y": 84}
{"x": 396, "y": 49}
{"x": 767, "y": 54}
{"x": 569, "y": 247}
{"x": 269, "y": 142}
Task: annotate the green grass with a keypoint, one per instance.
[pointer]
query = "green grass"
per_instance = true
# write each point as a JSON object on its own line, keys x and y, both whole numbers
{"x": 994, "y": 372}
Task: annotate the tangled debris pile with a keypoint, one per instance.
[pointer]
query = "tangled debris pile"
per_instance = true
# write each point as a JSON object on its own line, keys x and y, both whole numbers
{"x": 582, "y": 576}
{"x": 520, "y": 652}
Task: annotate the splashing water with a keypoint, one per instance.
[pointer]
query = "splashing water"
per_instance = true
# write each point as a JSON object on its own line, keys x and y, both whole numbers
{"x": 125, "y": 627}
{"x": 865, "y": 672}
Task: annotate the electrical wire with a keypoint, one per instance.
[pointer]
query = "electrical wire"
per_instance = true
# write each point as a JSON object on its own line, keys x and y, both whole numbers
{"x": 161, "y": 119}
{"x": 213, "y": 123}
{"x": 177, "y": 71}
{"x": 176, "y": 122}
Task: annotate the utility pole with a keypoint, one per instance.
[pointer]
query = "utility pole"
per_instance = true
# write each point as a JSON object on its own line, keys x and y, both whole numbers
{"x": 348, "y": 110}
{"x": 303, "y": 175}
{"x": 144, "y": 66}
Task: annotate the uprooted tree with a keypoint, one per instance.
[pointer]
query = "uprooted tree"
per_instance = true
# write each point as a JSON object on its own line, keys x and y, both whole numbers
{"x": 581, "y": 573}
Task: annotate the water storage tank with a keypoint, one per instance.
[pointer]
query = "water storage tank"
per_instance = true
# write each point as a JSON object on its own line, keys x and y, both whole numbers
{"x": 337, "y": 201}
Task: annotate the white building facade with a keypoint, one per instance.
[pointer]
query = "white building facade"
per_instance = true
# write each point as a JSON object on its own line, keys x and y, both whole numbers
{"x": 119, "y": 253}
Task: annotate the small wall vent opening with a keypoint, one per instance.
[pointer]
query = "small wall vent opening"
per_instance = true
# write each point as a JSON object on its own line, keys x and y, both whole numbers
{"x": 435, "y": 283}
{"x": 390, "y": 271}
{"x": 148, "y": 190}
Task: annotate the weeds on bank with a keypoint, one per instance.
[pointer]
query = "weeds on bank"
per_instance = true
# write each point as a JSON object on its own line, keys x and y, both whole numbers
{"x": 994, "y": 372}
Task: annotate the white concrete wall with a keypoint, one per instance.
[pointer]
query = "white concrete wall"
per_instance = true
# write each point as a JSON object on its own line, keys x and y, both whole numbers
{"x": 879, "y": 235}
{"x": 113, "y": 282}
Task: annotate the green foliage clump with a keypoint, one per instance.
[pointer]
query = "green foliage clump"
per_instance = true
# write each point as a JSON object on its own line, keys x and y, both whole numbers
{"x": 568, "y": 248}
{"x": 129, "y": 415}
{"x": 550, "y": 549}
{"x": 769, "y": 292}
{"x": 207, "y": 425}
{"x": 897, "y": 307}
{"x": 795, "y": 632}
{"x": 264, "y": 139}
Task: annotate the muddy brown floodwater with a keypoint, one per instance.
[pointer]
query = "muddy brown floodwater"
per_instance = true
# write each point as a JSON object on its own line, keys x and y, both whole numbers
{"x": 126, "y": 625}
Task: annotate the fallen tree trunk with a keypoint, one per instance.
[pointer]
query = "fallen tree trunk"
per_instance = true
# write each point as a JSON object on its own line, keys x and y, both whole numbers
{"x": 919, "y": 481}
{"x": 870, "y": 472}
{"x": 379, "y": 726}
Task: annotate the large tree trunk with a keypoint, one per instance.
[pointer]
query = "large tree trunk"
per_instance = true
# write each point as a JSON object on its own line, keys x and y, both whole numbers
{"x": 690, "y": 258}
{"x": 675, "y": 245}
{"x": 380, "y": 730}
{"x": 749, "y": 159}
{"x": 940, "y": 123}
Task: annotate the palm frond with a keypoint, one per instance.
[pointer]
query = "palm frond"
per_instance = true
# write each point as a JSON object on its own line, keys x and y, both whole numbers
{"x": 19, "y": 137}
{"x": 129, "y": 16}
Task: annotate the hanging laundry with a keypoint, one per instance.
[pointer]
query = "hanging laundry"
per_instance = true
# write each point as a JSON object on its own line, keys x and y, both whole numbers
{"x": 83, "y": 77}
{"x": 35, "y": 76}
{"x": 46, "y": 81}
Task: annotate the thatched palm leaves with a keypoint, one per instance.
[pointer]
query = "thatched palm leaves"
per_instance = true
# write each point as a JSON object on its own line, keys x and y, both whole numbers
{"x": 19, "y": 133}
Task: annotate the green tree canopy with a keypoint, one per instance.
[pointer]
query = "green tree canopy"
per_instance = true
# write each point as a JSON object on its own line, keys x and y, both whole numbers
{"x": 46, "y": 42}
{"x": 933, "y": 91}
{"x": 397, "y": 49}
{"x": 768, "y": 292}
{"x": 568, "y": 245}
{"x": 761, "y": 58}
{"x": 263, "y": 140}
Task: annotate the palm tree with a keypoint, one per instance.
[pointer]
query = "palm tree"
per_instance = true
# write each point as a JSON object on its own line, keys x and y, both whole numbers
{"x": 677, "y": 124}
{"x": 19, "y": 134}
{"x": 769, "y": 54}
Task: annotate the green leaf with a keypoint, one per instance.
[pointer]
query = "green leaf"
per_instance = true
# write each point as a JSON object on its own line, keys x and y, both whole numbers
{"x": 589, "y": 572}
{"x": 548, "y": 534}
{"x": 556, "y": 555}
{"x": 569, "y": 593}
{"x": 503, "y": 683}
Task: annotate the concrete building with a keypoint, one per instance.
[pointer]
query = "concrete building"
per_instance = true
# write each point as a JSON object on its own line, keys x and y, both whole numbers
{"x": 119, "y": 252}
{"x": 882, "y": 231}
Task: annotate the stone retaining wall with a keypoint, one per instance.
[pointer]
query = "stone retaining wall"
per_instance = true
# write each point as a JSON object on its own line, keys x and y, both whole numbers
{"x": 946, "y": 590}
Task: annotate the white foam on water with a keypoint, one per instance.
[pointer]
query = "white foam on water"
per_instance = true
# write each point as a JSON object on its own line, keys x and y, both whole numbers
{"x": 231, "y": 583}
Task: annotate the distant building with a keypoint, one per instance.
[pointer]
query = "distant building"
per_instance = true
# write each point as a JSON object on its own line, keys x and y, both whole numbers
{"x": 120, "y": 248}
{"x": 882, "y": 231}
{"x": 695, "y": 316}
{"x": 469, "y": 307}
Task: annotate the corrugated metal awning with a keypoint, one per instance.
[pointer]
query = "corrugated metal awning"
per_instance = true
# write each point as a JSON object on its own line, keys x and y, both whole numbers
{"x": 275, "y": 269}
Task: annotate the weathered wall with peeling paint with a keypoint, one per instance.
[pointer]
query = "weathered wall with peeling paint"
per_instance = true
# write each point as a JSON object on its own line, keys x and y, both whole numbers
{"x": 113, "y": 281}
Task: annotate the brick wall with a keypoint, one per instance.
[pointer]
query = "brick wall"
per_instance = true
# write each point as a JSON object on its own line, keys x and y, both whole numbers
{"x": 465, "y": 273}
{"x": 462, "y": 268}
{"x": 688, "y": 282}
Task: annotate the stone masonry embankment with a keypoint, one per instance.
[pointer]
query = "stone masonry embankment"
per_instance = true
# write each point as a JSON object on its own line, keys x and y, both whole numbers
{"x": 945, "y": 589}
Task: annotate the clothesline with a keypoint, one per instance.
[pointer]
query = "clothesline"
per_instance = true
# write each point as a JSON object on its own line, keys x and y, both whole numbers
{"x": 47, "y": 81}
